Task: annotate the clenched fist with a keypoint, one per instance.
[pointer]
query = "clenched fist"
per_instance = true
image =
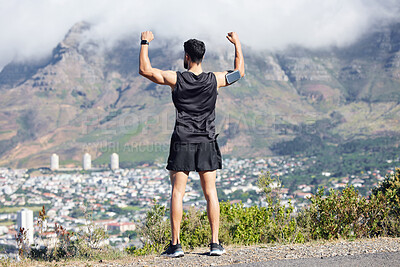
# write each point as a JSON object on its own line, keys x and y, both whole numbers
{"x": 233, "y": 38}
{"x": 147, "y": 35}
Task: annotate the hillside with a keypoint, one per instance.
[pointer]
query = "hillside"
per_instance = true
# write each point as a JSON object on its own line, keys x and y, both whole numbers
{"x": 89, "y": 98}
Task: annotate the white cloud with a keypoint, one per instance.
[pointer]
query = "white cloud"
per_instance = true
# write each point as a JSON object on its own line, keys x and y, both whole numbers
{"x": 31, "y": 29}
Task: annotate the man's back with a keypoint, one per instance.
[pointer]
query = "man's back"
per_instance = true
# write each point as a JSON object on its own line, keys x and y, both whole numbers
{"x": 194, "y": 97}
{"x": 193, "y": 144}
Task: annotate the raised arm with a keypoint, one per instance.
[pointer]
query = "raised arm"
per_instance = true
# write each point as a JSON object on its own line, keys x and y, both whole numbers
{"x": 238, "y": 62}
{"x": 146, "y": 70}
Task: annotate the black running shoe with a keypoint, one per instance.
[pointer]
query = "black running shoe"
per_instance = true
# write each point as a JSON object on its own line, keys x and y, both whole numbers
{"x": 173, "y": 251}
{"x": 216, "y": 249}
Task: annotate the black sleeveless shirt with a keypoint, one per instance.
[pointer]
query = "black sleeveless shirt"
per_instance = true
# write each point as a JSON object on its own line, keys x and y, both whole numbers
{"x": 194, "y": 97}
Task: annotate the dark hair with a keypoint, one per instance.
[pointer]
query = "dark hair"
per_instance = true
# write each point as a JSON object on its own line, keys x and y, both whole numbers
{"x": 195, "y": 49}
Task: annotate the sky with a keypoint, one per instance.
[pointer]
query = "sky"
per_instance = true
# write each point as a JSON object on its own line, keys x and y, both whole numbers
{"x": 29, "y": 29}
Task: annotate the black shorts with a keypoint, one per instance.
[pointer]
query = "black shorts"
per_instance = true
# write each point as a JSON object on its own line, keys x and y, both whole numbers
{"x": 194, "y": 156}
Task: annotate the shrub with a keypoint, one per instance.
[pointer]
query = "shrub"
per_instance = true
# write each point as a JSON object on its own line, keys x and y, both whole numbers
{"x": 274, "y": 223}
{"x": 67, "y": 244}
{"x": 255, "y": 225}
{"x": 238, "y": 224}
{"x": 155, "y": 232}
{"x": 195, "y": 229}
{"x": 346, "y": 214}
{"x": 22, "y": 242}
{"x": 390, "y": 187}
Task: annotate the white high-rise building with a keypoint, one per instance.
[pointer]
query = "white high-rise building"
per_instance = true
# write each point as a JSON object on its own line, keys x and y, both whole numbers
{"x": 114, "y": 161}
{"x": 54, "y": 162}
{"x": 25, "y": 220}
{"x": 87, "y": 161}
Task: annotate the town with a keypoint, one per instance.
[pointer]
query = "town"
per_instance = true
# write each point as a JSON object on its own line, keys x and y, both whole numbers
{"x": 118, "y": 199}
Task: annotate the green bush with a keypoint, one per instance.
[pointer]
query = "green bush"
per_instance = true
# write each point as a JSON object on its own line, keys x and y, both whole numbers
{"x": 274, "y": 223}
{"x": 155, "y": 232}
{"x": 238, "y": 224}
{"x": 255, "y": 224}
{"x": 195, "y": 229}
{"x": 346, "y": 214}
{"x": 339, "y": 214}
{"x": 390, "y": 187}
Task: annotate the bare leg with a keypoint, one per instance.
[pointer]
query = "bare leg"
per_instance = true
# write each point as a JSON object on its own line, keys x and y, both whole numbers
{"x": 207, "y": 179}
{"x": 178, "y": 182}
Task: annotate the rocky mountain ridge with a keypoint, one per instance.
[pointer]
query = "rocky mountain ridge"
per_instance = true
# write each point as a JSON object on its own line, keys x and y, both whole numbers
{"x": 87, "y": 98}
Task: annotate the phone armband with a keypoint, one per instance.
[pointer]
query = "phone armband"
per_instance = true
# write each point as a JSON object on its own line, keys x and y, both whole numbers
{"x": 233, "y": 76}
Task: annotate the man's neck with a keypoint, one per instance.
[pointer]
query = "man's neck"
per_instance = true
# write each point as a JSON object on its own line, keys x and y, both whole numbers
{"x": 195, "y": 68}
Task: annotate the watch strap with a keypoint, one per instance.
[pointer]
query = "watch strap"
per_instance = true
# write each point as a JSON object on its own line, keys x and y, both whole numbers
{"x": 144, "y": 42}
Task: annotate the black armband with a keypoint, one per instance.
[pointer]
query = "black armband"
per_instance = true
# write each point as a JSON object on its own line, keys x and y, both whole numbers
{"x": 233, "y": 76}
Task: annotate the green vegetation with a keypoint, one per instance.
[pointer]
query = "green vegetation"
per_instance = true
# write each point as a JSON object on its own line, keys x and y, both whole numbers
{"x": 6, "y": 131}
{"x": 43, "y": 94}
{"x": 6, "y": 223}
{"x": 338, "y": 214}
{"x": 130, "y": 208}
{"x": 346, "y": 215}
{"x": 16, "y": 209}
{"x": 69, "y": 161}
{"x": 84, "y": 244}
{"x": 154, "y": 230}
{"x": 133, "y": 155}
{"x": 390, "y": 187}
{"x": 63, "y": 94}
{"x": 111, "y": 116}
{"x": 130, "y": 234}
{"x": 27, "y": 130}
{"x": 23, "y": 162}
{"x": 94, "y": 136}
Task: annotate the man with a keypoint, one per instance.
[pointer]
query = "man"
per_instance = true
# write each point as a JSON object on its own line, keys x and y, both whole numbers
{"x": 193, "y": 142}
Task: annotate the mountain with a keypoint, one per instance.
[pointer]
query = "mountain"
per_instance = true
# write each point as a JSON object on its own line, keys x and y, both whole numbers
{"x": 88, "y": 98}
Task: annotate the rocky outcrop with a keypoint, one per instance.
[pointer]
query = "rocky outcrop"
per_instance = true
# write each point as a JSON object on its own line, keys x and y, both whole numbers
{"x": 303, "y": 69}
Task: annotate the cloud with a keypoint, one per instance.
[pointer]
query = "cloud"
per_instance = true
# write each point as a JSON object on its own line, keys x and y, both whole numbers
{"x": 31, "y": 29}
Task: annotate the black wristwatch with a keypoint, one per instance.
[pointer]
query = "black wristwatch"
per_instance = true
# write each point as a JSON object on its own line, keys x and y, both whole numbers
{"x": 144, "y": 42}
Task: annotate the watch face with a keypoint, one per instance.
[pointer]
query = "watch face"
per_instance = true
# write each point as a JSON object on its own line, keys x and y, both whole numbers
{"x": 144, "y": 42}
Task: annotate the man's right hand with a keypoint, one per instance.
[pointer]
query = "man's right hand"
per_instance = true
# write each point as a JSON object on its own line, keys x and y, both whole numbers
{"x": 147, "y": 35}
{"x": 233, "y": 38}
{"x": 238, "y": 61}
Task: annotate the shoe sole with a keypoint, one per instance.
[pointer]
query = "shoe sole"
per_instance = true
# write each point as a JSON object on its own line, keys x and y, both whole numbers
{"x": 217, "y": 253}
{"x": 175, "y": 255}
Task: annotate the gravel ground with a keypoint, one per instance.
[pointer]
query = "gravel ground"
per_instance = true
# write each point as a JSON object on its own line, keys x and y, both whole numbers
{"x": 371, "y": 260}
{"x": 361, "y": 252}
{"x": 265, "y": 254}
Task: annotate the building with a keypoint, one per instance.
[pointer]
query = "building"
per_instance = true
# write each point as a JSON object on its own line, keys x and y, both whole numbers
{"x": 121, "y": 226}
{"x": 114, "y": 161}
{"x": 54, "y": 162}
{"x": 87, "y": 161}
{"x": 25, "y": 220}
